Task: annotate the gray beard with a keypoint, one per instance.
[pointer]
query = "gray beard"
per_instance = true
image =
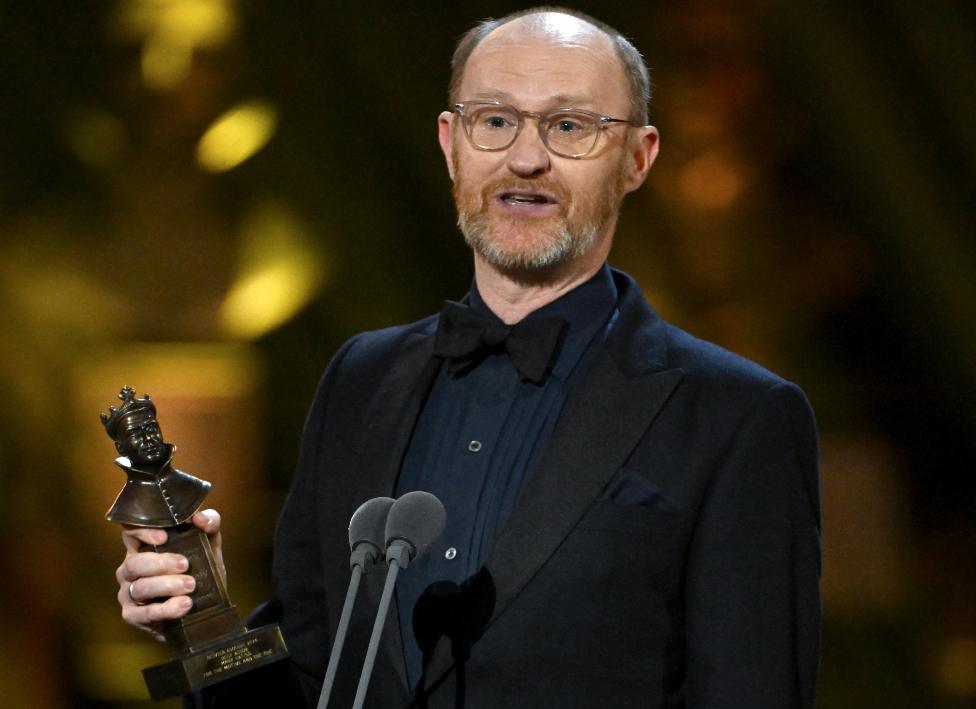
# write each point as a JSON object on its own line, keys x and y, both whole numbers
{"x": 565, "y": 247}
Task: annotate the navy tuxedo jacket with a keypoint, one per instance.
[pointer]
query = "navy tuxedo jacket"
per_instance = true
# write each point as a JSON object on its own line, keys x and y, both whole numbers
{"x": 703, "y": 593}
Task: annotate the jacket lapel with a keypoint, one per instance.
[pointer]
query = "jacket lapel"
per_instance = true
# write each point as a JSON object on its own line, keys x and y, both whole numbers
{"x": 392, "y": 415}
{"x": 601, "y": 423}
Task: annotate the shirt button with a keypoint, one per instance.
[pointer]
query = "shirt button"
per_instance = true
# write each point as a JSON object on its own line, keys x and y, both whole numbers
{"x": 474, "y": 446}
{"x": 450, "y": 553}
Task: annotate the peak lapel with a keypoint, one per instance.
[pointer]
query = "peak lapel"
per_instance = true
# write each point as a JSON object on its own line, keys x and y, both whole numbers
{"x": 601, "y": 423}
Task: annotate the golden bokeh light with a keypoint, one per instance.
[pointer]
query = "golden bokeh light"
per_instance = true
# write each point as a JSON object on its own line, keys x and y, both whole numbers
{"x": 171, "y": 30}
{"x": 711, "y": 181}
{"x": 165, "y": 61}
{"x": 58, "y": 298}
{"x": 236, "y": 135}
{"x": 281, "y": 268}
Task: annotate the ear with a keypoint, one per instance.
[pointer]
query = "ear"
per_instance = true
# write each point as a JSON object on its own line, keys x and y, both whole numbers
{"x": 445, "y": 136}
{"x": 643, "y": 153}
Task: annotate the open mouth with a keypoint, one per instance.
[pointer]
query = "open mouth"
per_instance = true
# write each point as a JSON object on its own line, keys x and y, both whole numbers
{"x": 526, "y": 199}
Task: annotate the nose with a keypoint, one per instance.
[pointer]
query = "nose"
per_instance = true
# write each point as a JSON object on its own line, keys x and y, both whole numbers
{"x": 528, "y": 156}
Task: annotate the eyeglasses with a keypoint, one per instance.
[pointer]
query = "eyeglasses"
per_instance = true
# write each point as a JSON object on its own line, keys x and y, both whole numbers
{"x": 568, "y": 132}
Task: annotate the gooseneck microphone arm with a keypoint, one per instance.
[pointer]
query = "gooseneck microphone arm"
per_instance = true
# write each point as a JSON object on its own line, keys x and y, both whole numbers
{"x": 398, "y": 557}
{"x": 340, "y": 637}
{"x": 414, "y": 523}
{"x": 367, "y": 534}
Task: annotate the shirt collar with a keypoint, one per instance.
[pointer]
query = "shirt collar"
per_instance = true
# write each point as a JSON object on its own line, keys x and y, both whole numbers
{"x": 585, "y": 309}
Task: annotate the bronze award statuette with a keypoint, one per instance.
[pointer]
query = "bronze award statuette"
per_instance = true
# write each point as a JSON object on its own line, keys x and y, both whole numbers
{"x": 210, "y": 643}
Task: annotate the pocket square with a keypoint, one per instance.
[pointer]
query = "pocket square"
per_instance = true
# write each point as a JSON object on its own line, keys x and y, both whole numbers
{"x": 631, "y": 489}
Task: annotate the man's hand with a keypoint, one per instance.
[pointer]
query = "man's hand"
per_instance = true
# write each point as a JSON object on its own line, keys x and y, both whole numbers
{"x": 153, "y": 587}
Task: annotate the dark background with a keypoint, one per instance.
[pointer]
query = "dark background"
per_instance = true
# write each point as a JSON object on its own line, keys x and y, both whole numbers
{"x": 812, "y": 208}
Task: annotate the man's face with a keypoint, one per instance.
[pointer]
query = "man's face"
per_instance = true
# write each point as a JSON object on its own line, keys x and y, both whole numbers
{"x": 140, "y": 439}
{"x": 524, "y": 208}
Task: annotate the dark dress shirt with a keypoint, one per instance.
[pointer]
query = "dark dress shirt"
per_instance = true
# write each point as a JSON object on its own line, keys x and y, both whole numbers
{"x": 478, "y": 435}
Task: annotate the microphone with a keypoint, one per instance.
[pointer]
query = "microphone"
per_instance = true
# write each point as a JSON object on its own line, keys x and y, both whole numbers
{"x": 367, "y": 537}
{"x": 367, "y": 531}
{"x": 414, "y": 523}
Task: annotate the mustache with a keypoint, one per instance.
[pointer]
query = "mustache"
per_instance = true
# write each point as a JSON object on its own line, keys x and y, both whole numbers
{"x": 561, "y": 194}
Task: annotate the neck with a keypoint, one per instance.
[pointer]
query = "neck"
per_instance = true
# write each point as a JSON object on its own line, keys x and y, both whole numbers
{"x": 511, "y": 295}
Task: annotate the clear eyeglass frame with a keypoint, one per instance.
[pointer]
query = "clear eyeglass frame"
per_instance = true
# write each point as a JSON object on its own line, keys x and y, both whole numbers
{"x": 588, "y": 123}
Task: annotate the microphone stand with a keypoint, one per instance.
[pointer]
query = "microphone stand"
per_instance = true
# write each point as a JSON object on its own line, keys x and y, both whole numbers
{"x": 360, "y": 557}
{"x": 398, "y": 557}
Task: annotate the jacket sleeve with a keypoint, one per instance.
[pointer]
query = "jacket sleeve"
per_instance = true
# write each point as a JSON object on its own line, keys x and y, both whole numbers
{"x": 752, "y": 598}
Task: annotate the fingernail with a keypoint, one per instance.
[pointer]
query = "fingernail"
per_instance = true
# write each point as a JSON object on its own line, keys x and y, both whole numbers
{"x": 182, "y": 564}
{"x": 186, "y": 602}
{"x": 189, "y": 583}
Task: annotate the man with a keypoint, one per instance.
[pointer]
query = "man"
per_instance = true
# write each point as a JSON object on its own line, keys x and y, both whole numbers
{"x": 633, "y": 514}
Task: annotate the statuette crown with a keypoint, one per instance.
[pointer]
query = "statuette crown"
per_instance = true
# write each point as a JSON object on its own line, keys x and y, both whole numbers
{"x": 130, "y": 404}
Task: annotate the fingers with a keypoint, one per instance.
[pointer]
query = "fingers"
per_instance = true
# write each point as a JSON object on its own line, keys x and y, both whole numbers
{"x": 154, "y": 585}
{"x": 135, "y": 537}
{"x": 154, "y": 589}
{"x": 208, "y": 520}
{"x": 148, "y": 563}
{"x": 150, "y": 615}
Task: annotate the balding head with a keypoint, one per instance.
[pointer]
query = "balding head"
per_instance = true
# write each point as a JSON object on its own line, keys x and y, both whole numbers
{"x": 559, "y": 26}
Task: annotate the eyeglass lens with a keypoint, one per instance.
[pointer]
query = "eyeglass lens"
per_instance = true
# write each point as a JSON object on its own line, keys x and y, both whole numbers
{"x": 565, "y": 132}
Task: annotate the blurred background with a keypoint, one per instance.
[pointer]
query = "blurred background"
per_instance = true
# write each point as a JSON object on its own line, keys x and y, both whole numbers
{"x": 204, "y": 198}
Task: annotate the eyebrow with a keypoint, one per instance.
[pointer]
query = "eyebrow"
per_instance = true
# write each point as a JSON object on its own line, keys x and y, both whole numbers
{"x": 571, "y": 100}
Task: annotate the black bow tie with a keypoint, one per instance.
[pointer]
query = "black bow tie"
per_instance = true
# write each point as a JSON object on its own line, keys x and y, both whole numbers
{"x": 465, "y": 336}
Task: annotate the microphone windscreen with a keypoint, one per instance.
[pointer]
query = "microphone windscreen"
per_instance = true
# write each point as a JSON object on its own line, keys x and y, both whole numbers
{"x": 368, "y": 523}
{"x": 417, "y": 518}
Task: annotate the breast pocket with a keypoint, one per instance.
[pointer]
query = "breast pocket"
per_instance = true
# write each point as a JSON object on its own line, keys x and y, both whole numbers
{"x": 627, "y": 550}
{"x": 630, "y": 504}
{"x": 644, "y": 522}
